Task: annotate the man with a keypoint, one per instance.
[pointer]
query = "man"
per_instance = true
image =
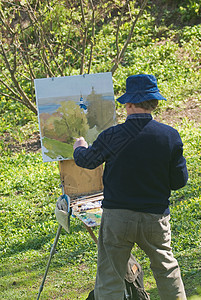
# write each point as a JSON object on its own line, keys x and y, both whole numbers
{"x": 143, "y": 163}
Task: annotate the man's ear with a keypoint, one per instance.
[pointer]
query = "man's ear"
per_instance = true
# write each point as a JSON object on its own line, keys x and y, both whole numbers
{"x": 129, "y": 105}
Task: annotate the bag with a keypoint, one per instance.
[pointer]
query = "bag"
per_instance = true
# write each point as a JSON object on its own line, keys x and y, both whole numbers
{"x": 63, "y": 212}
{"x": 91, "y": 296}
{"x": 134, "y": 281}
{"x": 134, "y": 286}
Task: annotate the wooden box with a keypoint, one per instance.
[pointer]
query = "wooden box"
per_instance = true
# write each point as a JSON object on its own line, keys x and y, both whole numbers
{"x": 78, "y": 181}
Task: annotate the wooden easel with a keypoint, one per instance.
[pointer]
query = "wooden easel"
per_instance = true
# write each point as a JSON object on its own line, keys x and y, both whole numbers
{"x": 76, "y": 182}
{"x": 79, "y": 182}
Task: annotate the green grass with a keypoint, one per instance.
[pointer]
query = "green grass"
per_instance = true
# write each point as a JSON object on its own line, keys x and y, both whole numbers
{"x": 29, "y": 190}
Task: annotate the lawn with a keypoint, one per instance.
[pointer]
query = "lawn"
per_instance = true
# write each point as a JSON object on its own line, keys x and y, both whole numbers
{"x": 29, "y": 190}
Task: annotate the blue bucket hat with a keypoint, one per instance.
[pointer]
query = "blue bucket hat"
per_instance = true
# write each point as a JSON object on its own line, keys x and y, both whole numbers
{"x": 140, "y": 88}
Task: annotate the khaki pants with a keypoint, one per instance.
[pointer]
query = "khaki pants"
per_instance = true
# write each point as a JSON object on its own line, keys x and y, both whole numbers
{"x": 119, "y": 231}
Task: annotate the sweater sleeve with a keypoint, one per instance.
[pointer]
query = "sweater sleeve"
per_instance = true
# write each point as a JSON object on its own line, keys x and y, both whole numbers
{"x": 178, "y": 169}
{"x": 93, "y": 156}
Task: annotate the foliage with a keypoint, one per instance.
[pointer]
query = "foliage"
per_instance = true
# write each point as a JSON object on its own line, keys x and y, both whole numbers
{"x": 177, "y": 13}
{"x": 55, "y": 38}
{"x": 175, "y": 63}
{"x": 190, "y": 9}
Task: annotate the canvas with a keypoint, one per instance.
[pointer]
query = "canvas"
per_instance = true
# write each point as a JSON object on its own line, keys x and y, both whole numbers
{"x": 70, "y": 107}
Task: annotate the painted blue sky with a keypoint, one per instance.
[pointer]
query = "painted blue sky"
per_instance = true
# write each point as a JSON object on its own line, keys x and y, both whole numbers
{"x": 73, "y": 85}
{"x": 50, "y": 108}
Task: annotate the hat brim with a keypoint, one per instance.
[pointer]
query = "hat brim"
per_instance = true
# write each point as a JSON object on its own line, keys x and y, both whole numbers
{"x": 139, "y": 97}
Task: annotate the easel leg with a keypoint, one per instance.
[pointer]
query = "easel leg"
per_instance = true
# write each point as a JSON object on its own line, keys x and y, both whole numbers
{"x": 91, "y": 233}
{"x": 50, "y": 257}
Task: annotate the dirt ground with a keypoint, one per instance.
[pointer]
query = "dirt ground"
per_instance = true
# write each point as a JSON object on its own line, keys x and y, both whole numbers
{"x": 191, "y": 112}
{"x": 33, "y": 144}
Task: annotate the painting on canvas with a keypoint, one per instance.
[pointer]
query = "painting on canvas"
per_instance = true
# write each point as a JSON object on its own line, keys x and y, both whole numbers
{"x": 70, "y": 107}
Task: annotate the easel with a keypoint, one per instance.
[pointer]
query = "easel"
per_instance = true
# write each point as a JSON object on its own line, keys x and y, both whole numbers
{"x": 76, "y": 182}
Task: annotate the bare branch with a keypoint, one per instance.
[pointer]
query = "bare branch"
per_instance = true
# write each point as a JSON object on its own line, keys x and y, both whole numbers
{"x": 24, "y": 52}
{"x": 9, "y": 88}
{"x": 26, "y": 57}
{"x": 123, "y": 50}
{"x": 6, "y": 60}
{"x": 93, "y": 35}
{"x": 25, "y": 99}
{"x": 119, "y": 24}
{"x": 83, "y": 51}
{"x": 11, "y": 97}
{"x": 84, "y": 38}
{"x": 15, "y": 59}
{"x": 28, "y": 38}
{"x": 45, "y": 39}
{"x": 43, "y": 54}
{"x": 3, "y": 19}
{"x": 64, "y": 51}
{"x": 31, "y": 12}
{"x": 74, "y": 49}
{"x": 82, "y": 11}
{"x": 41, "y": 37}
{"x": 54, "y": 57}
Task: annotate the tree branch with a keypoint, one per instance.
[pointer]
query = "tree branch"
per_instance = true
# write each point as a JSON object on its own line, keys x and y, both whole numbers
{"x": 9, "y": 88}
{"x": 25, "y": 99}
{"x": 5, "y": 23}
{"x": 11, "y": 97}
{"x": 41, "y": 37}
{"x": 64, "y": 51}
{"x": 84, "y": 38}
{"x": 123, "y": 50}
{"x": 83, "y": 51}
{"x": 25, "y": 55}
{"x": 82, "y": 11}
{"x": 54, "y": 57}
{"x": 93, "y": 35}
{"x": 118, "y": 26}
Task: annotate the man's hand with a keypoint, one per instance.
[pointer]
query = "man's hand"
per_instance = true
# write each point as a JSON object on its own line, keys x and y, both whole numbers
{"x": 80, "y": 142}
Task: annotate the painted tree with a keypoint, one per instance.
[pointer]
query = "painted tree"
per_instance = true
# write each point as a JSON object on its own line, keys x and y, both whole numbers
{"x": 73, "y": 122}
{"x": 100, "y": 111}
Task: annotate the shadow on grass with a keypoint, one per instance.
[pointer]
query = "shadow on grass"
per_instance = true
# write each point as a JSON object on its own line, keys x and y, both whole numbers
{"x": 35, "y": 243}
{"x": 192, "y": 282}
{"x": 153, "y": 293}
{"x": 67, "y": 253}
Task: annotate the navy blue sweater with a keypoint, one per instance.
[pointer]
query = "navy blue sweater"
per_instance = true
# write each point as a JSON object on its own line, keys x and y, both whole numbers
{"x": 143, "y": 163}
